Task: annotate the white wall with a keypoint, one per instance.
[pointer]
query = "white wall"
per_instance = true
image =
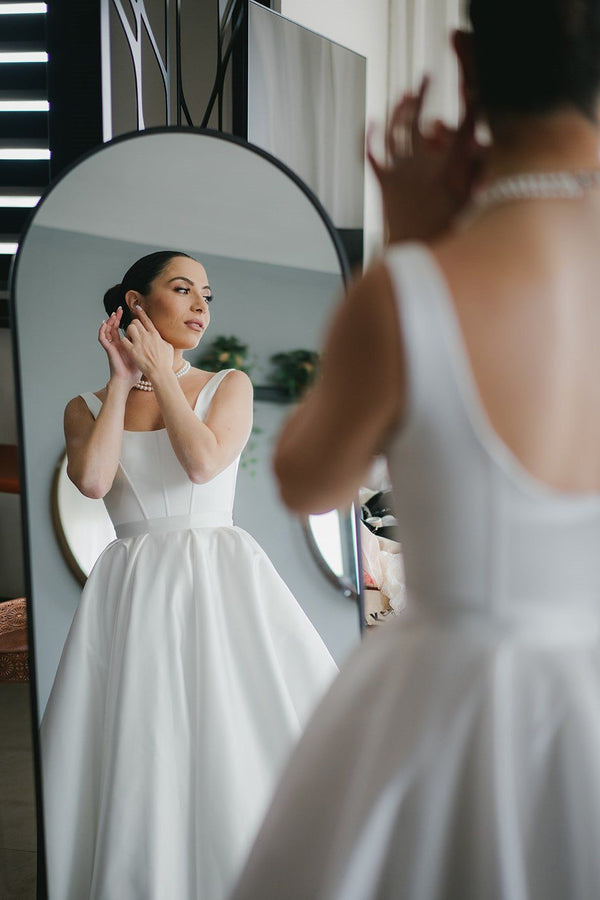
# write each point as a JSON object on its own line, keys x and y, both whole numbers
{"x": 361, "y": 25}
{"x": 420, "y": 42}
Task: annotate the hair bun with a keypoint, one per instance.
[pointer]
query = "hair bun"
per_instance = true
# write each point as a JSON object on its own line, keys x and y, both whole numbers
{"x": 114, "y": 298}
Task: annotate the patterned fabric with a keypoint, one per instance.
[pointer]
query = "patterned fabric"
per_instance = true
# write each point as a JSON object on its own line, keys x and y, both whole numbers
{"x": 14, "y": 657}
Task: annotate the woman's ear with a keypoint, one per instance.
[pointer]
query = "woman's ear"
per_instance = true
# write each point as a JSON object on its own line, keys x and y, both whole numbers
{"x": 132, "y": 298}
{"x": 462, "y": 42}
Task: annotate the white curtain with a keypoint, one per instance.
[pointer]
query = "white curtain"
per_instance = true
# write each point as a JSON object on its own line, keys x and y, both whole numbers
{"x": 419, "y": 42}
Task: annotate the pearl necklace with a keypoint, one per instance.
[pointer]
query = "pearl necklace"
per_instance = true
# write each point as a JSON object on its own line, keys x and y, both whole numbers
{"x": 537, "y": 185}
{"x": 143, "y": 385}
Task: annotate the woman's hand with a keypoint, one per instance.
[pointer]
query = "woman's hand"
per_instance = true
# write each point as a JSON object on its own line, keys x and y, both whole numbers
{"x": 428, "y": 178}
{"x": 122, "y": 367}
{"x": 146, "y": 348}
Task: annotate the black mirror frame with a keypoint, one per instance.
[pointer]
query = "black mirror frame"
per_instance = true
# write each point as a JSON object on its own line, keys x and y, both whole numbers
{"x": 13, "y": 320}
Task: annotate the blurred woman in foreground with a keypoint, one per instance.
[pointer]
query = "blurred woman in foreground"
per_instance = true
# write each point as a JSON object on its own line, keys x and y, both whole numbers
{"x": 458, "y": 753}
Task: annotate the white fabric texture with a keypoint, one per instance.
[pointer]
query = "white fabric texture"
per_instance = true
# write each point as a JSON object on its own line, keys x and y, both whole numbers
{"x": 185, "y": 680}
{"x": 419, "y": 43}
{"x": 457, "y": 756}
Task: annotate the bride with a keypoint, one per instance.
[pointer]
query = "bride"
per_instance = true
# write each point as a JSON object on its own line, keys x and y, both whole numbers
{"x": 189, "y": 669}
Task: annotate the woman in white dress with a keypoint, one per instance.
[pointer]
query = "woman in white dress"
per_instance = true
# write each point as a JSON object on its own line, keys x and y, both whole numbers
{"x": 189, "y": 669}
{"x": 458, "y": 753}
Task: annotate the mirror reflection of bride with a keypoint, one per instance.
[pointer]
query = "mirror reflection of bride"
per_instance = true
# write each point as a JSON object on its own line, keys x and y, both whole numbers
{"x": 189, "y": 669}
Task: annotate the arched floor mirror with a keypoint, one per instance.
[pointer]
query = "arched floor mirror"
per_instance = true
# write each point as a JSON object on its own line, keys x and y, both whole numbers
{"x": 276, "y": 267}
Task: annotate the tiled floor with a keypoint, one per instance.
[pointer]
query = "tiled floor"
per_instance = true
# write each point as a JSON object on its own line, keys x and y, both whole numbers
{"x": 18, "y": 856}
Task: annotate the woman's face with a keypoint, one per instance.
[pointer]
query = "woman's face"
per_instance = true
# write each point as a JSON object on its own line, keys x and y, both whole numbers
{"x": 178, "y": 302}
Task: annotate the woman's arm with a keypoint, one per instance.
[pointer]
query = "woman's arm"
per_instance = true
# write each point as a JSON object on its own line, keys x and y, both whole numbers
{"x": 203, "y": 448}
{"x": 327, "y": 445}
{"x": 94, "y": 446}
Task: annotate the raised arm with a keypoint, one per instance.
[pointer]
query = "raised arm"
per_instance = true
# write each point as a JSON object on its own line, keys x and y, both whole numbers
{"x": 94, "y": 447}
{"x": 203, "y": 448}
{"x": 327, "y": 445}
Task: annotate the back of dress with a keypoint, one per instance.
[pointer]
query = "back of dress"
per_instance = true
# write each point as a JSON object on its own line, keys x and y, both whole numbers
{"x": 479, "y": 533}
{"x": 457, "y": 756}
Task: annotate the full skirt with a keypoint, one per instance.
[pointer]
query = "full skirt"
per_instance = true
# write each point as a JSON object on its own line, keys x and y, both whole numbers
{"x": 447, "y": 762}
{"x": 186, "y": 679}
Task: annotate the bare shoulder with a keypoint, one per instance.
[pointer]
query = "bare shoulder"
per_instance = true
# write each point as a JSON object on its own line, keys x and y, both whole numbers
{"x": 374, "y": 286}
{"x": 235, "y": 383}
{"x": 483, "y": 256}
{"x": 77, "y": 416}
{"x": 76, "y": 409}
{"x": 366, "y": 325}
{"x": 234, "y": 376}
{"x": 239, "y": 379}
{"x": 234, "y": 388}
{"x": 230, "y": 412}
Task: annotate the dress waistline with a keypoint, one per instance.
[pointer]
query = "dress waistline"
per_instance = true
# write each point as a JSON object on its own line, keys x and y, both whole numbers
{"x": 174, "y": 523}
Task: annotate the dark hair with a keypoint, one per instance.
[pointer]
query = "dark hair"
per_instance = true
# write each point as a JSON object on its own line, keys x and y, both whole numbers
{"x": 138, "y": 277}
{"x": 534, "y": 56}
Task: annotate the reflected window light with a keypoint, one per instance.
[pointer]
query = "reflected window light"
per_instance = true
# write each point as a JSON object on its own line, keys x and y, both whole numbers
{"x": 16, "y": 153}
{"x": 24, "y": 106}
{"x": 23, "y": 56}
{"x": 326, "y": 531}
{"x": 21, "y": 201}
{"x": 19, "y": 9}
{"x": 7, "y": 249}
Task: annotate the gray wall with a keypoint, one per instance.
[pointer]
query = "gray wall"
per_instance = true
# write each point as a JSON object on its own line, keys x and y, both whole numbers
{"x": 61, "y": 278}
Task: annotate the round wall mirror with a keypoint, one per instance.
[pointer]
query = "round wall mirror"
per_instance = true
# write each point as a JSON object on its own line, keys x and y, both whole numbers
{"x": 83, "y": 528}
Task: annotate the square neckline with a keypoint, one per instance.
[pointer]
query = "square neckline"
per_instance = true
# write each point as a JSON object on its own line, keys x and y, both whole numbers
{"x": 163, "y": 429}
{"x": 487, "y": 436}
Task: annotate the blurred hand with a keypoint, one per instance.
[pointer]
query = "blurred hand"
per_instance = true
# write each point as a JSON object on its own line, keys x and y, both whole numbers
{"x": 121, "y": 365}
{"x": 426, "y": 179}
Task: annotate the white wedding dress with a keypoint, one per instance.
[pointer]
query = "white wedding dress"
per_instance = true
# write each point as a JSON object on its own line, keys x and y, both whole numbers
{"x": 457, "y": 755}
{"x": 186, "y": 678}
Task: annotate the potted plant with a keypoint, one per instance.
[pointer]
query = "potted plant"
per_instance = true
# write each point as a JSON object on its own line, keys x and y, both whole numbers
{"x": 225, "y": 353}
{"x": 294, "y": 371}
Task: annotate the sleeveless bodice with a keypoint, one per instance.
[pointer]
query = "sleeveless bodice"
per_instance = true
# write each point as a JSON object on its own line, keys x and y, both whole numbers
{"x": 477, "y": 530}
{"x": 151, "y": 485}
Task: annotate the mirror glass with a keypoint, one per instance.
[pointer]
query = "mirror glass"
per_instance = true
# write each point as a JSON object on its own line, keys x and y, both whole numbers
{"x": 276, "y": 270}
{"x": 332, "y": 538}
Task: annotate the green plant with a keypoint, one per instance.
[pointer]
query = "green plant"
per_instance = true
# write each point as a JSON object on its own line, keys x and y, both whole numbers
{"x": 225, "y": 353}
{"x": 294, "y": 371}
{"x": 249, "y": 457}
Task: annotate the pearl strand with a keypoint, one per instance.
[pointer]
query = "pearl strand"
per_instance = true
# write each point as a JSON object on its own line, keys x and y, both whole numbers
{"x": 537, "y": 185}
{"x": 144, "y": 385}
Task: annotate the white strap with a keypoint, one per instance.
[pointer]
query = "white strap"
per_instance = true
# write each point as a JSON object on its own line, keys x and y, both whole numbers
{"x": 209, "y": 390}
{"x": 93, "y": 404}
